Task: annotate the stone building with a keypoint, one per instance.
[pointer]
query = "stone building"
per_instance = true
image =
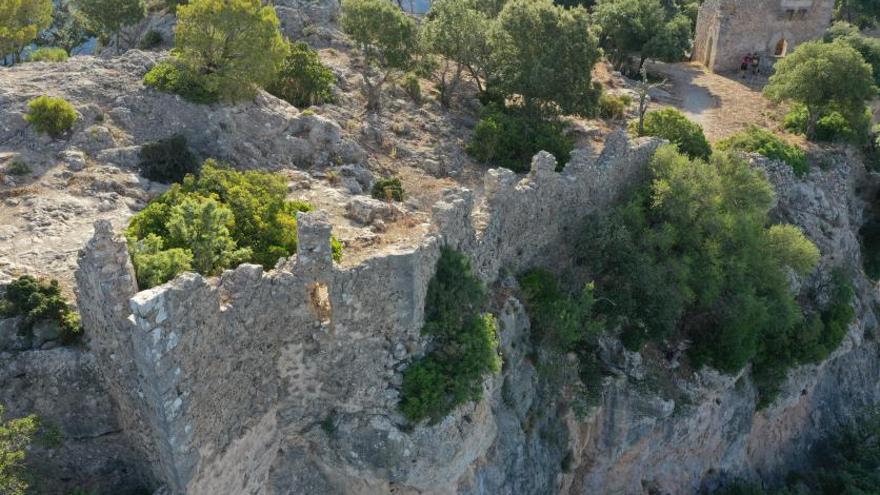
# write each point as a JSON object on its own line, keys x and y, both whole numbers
{"x": 727, "y": 30}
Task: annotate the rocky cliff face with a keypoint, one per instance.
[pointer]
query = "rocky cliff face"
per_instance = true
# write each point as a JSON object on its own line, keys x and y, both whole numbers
{"x": 286, "y": 382}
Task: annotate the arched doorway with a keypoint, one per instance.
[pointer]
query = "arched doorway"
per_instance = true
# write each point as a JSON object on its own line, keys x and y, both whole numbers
{"x": 781, "y": 49}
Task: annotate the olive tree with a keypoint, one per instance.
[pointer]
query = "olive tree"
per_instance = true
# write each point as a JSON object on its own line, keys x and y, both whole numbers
{"x": 20, "y": 23}
{"x": 544, "y": 54}
{"x": 646, "y": 27}
{"x": 823, "y": 76}
{"x": 231, "y": 46}
{"x": 385, "y": 36}
{"x": 109, "y": 17}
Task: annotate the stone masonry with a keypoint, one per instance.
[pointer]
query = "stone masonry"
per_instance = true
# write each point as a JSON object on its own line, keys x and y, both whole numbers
{"x": 286, "y": 382}
{"x": 727, "y": 30}
{"x": 231, "y": 385}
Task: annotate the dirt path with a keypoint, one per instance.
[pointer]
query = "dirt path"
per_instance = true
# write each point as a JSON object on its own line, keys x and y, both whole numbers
{"x": 722, "y": 104}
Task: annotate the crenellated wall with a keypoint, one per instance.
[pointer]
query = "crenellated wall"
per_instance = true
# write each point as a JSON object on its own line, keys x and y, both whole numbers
{"x": 286, "y": 382}
{"x": 236, "y": 381}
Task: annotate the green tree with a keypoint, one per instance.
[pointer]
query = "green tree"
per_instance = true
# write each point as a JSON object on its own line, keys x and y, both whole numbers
{"x": 758, "y": 140}
{"x": 646, "y": 27}
{"x": 231, "y": 46}
{"x": 68, "y": 29}
{"x": 868, "y": 46}
{"x": 15, "y": 436}
{"x": 303, "y": 80}
{"x": 823, "y": 77}
{"x": 203, "y": 225}
{"x": 691, "y": 253}
{"x": 387, "y": 39}
{"x": 20, "y": 23}
{"x": 672, "y": 125}
{"x": 545, "y": 54}
{"x": 109, "y": 17}
{"x": 464, "y": 346}
{"x": 190, "y": 227}
{"x": 458, "y": 32}
{"x": 864, "y": 13}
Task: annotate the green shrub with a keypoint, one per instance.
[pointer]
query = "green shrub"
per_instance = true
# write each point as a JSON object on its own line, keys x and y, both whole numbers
{"x": 172, "y": 77}
{"x": 303, "y": 80}
{"x": 464, "y": 343}
{"x": 18, "y": 168}
{"x": 54, "y": 116}
{"x": 757, "y": 140}
{"x": 150, "y": 40}
{"x": 155, "y": 265}
{"x": 507, "y": 137}
{"x": 613, "y": 106}
{"x": 37, "y": 300}
{"x": 562, "y": 324}
{"x": 215, "y": 221}
{"x": 168, "y": 160}
{"x": 812, "y": 341}
{"x": 691, "y": 254}
{"x": 672, "y": 125}
{"x": 48, "y": 54}
{"x": 412, "y": 87}
{"x": 832, "y": 127}
{"x": 388, "y": 189}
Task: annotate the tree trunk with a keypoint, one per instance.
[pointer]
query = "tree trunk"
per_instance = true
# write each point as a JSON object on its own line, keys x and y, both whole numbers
{"x": 643, "y": 109}
{"x": 812, "y": 120}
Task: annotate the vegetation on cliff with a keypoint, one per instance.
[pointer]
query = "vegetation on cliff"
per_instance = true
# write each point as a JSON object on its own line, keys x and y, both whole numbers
{"x": 214, "y": 221}
{"x": 37, "y": 300}
{"x": 692, "y": 255}
{"x": 463, "y": 348}
{"x": 562, "y": 326}
{"x": 15, "y": 436}
{"x": 761, "y": 141}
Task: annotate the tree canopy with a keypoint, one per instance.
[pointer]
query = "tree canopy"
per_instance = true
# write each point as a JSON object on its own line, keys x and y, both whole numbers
{"x": 545, "y": 54}
{"x": 20, "y": 23}
{"x": 385, "y": 36}
{"x": 15, "y": 435}
{"x": 232, "y": 46}
{"x": 823, "y": 77}
{"x": 108, "y": 17}
{"x": 646, "y": 27}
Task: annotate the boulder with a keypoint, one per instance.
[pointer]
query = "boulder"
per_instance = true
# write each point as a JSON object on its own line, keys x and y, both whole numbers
{"x": 367, "y": 210}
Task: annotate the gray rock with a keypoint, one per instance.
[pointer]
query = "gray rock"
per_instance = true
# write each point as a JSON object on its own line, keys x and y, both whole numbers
{"x": 367, "y": 210}
{"x": 45, "y": 331}
{"x": 74, "y": 158}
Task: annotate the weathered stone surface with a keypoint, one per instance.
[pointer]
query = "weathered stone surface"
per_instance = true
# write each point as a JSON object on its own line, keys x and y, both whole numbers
{"x": 368, "y": 210}
{"x": 727, "y": 30}
{"x": 262, "y": 133}
{"x": 80, "y": 443}
{"x": 225, "y": 367}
